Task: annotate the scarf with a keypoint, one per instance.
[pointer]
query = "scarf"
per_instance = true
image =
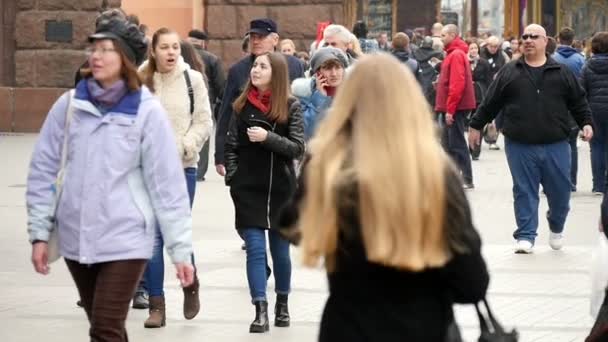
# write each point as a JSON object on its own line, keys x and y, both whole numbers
{"x": 106, "y": 98}
{"x": 259, "y": 100}
{"x": 331, "y": 91}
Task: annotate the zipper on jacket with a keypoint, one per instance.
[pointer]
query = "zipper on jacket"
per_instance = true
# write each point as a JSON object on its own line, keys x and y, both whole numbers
{"x": 270, "y": 183}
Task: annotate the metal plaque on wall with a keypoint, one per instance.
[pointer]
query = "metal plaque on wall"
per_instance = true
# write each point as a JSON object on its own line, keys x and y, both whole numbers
{"x": 59, "y": 31}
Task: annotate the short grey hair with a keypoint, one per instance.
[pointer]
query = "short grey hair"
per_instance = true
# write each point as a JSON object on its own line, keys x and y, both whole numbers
{"x": 451, "y": 28}
{"x": 339, "y": 31}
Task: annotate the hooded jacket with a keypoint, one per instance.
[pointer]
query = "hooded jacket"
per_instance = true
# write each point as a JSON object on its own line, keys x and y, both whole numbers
{"x": 455, "y": 91}
{"x": 404, "y": 57}
{"x": 594, "y": 79}
{"x": 496, "y": 61}
{"x": 428, "y": 72}
{"x": 122, "y": 178}
{"x": 571, "y": 58}
{"x": 314, "y": 104}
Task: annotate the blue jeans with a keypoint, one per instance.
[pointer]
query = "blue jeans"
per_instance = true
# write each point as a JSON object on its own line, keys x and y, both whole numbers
{"x": 255, "y": 240}
{"x": 574, "y": 156}
{"x": 155, "y": 270}
{"x": 599, "y": 153}
{"x": 532, "y": 165}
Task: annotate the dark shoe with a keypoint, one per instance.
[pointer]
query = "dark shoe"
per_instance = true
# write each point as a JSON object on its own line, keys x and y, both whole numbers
{"x": 468, "y": 186}
{"x": 192, "y": 303}
{"x": 79, "y": 304}
{"x": 268, "y": 272}
{"x": 157, "y": 316}
{"x": 140, "y": 300}
{"x": 281, "y": 312}
{"x": 260, "y": 323}
{"x": 243, "y": 247}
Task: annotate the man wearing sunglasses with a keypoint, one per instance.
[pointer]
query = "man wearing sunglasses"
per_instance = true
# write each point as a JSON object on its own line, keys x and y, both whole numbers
{"x": 539, "y": 97}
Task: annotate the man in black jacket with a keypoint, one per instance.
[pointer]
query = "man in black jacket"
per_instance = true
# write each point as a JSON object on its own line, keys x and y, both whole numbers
{"x": 538, "y": 97}
{"x": 263, "y": 38}
{"x": 216, "y": 80}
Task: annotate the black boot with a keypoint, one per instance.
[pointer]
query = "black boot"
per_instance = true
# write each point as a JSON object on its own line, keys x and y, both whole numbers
{"x": 281, "y": 312}
{"x": 260, "y": 324}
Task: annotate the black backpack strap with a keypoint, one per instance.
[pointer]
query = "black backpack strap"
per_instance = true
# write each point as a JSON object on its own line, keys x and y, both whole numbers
{"x": 190, "y": 91}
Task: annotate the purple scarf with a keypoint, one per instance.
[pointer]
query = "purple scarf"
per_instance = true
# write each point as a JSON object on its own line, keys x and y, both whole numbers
{"x": 106, "y": 98}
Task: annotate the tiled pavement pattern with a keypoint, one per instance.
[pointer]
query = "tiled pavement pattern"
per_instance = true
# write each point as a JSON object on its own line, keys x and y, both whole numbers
{"x": 545, "y": 295}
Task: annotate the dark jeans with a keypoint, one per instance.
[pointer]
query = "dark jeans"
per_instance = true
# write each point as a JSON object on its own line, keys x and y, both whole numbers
{"x": 599, "y": 154}
{"x": 456, "y": 146}
{"x": 203, "y": 161}
{"x": 255, "y": 239}
{"x": 106, "y": 290}
{"x": 532, "y": 165}
{"x": 574, "y": 154}
{"x": 155, "y": 270}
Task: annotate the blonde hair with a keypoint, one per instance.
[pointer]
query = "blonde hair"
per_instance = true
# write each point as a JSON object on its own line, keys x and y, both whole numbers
{"x": 356, "y": 46}
{"x": 378, "y": 138}
{"x": 288, "y": 42}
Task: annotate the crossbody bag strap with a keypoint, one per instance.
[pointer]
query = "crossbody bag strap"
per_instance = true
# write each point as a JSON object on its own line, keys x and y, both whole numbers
{"x": 66, "y": 128}
{"x": 190, "y": 91}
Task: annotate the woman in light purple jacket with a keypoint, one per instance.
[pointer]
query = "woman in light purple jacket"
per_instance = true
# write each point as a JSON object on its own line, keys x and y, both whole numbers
{"x": 121, "y": 178}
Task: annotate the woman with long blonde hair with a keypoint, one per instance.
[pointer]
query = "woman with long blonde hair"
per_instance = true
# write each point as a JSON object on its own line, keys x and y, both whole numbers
{"x": 381, "y": 205}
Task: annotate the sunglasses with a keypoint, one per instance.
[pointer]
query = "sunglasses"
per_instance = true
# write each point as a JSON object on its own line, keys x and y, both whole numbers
{"x": 531, "y": 36}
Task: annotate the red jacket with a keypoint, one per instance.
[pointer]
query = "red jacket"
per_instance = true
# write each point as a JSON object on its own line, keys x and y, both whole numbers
{"x": 455, "y": 91}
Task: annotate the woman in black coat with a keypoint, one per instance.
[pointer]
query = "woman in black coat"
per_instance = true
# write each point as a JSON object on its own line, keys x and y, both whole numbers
{"x": 381, "y": 204}
{"x": 482, "y": 77}
{"x": 594, "y": 79}
{"x": 266, "y": 135}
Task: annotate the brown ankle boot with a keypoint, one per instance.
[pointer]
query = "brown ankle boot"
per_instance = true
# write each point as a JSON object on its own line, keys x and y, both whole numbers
{"x": 192, "y": 303}
{"x": 157, "y": 312}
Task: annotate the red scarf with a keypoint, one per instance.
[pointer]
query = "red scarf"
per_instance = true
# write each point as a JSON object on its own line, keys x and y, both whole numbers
{"x": 259, "y": 101}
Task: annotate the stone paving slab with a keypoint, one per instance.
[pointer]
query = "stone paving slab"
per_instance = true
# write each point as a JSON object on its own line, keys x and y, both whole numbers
{"x": 545, "y": 295}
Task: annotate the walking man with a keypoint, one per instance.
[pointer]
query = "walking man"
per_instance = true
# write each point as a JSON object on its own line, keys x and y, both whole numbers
{"x": 538, "y": 97}
{"x": 455, "y": 100}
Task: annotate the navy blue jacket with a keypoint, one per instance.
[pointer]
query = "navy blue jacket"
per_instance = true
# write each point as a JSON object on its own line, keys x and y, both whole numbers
{"x": 594, "y": 79}
{"x": 237, "y": 79}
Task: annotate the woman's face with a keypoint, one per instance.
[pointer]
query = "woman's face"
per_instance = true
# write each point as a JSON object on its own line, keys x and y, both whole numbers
{"x": 167, "y": 52}
{"x": 105, "y": 62}
{"x": 261, "y": 73}
{"x": 473, "y": 50}
{"x": 287, "y": 49}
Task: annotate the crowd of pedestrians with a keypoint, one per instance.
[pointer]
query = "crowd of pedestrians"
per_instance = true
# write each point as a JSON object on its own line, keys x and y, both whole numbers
{"x": 316, "y": 148}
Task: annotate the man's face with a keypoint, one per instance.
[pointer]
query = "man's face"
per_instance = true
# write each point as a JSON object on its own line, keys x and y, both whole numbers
{"x": 492, "y": 47}
{"x": 196, "y": 42}
{"x": 335, "y": 42}
{"x": 382, "y": 39}
{"x": 514, "y": 44}
{"x": 262, "y": 43}
{"x": 447, "y": 37}
{"x": 333, "y": 73}
{"x": 535, "y": 42}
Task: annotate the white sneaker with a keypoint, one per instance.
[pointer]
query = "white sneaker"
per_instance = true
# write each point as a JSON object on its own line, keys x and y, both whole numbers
{"x": 556, "y": 241}
{"x": 523, "y": 247}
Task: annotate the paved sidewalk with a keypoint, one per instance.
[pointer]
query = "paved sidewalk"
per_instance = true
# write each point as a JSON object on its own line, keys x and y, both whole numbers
{"x": 545, "y": 295}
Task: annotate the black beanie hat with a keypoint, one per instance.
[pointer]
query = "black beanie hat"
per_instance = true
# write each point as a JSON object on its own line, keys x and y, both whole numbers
{"x": 127, "y": 35}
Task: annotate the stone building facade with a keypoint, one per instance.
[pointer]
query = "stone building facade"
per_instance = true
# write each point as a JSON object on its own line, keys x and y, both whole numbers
{"x": 43, "y": 45}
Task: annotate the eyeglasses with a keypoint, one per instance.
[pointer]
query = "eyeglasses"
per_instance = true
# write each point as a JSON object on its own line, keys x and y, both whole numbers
{"x": 102, "y": 51}
{"x": 531, "y": 36}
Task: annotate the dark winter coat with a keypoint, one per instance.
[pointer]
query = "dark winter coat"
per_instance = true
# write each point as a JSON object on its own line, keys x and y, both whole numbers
{"x": 594, "y": 79}
{"x": 238, "y": 75}
{"x": 381, "y": 303}
{"x": 404, "y": 57}
{"x": 535, "y": 114}
{"x": 215, "y": 77}
{"x": 455, "y": 91}
{"x": 482, "y": 77}
{"x": 496, "y": 61}
{"x": 261, "y": 176}
{"x": 428, "y": 72}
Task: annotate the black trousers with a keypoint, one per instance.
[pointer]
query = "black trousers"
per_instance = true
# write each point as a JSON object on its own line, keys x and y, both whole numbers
{"x": 455, "y": 144}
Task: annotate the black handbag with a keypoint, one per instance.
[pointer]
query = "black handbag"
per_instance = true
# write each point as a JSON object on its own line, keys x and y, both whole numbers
{"x": 491, "y": 330}
{"x": 599, "y": 332}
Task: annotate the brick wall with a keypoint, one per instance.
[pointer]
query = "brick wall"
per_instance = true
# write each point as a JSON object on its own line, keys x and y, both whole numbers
{"x": 228, "y": 20}
{"x": 44, "y": 69}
